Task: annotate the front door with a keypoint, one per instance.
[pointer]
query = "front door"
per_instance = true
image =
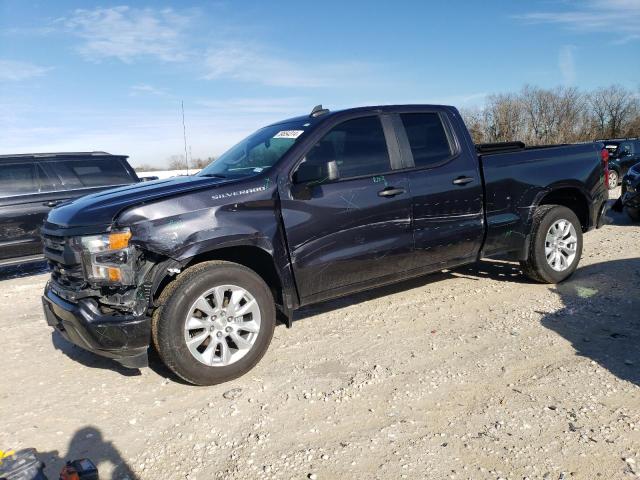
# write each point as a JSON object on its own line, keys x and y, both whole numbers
{"x": 354, "y": 231}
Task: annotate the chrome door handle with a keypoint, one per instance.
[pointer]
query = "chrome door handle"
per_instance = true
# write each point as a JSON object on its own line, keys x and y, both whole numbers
{"x": 390, "y": 192}
{"x": 462, "y": 180}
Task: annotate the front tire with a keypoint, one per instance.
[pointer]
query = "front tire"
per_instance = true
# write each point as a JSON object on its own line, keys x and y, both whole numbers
{"x": 215, "y": 322}
{"x": 555, "y": 246}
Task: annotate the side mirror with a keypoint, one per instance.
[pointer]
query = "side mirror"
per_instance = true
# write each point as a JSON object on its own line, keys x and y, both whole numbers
{"x": 332, "y": 171}
{"x": 310, "y": 173}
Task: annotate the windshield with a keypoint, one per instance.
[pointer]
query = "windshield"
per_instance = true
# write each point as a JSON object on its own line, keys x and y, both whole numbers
{"x": 258, "y": 152}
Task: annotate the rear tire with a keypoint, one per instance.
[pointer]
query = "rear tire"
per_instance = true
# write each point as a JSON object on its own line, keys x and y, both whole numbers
{"x": 548, "y": 244}
{"x": 634, "y": 213}
{"x": 209, "y": 362}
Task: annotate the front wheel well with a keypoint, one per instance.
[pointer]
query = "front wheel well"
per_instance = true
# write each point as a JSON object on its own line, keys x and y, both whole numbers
{"x": 254, "y": 258}
{"x": 573, "y": 199}
{"x": 251, "y": 257}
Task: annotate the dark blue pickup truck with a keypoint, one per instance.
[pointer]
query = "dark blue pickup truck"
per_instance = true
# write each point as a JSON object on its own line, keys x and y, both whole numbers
{"x": 305, "y": 210}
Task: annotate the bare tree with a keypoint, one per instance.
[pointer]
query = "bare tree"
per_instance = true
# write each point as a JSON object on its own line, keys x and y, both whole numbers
{"x": 560, "y": 115}
{"x": 177, "y": 162}
{"x": 613, "y": 109}
{"x": 145, "y": 167}
{"x": 504, "y": 117}
{"x": 474, "y": 120}
{"x": 199, "y": 163}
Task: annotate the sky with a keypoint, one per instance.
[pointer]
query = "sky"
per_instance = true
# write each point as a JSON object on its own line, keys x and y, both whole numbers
{"x": 85, "y": 75}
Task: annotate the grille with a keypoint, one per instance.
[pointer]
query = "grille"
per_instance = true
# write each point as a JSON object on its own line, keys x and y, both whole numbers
{"x": 64, "y": 262}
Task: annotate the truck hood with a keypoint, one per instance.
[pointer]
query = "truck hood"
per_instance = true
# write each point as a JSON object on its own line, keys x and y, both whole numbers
{"x": 100, "y": 209}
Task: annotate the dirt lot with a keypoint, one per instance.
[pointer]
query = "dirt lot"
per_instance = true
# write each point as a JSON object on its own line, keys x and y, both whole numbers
{"x": 475, "y": 373}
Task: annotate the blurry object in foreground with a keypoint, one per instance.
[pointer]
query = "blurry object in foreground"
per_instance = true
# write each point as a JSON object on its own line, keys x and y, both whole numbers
{"x": 82, "y": 469}
{"x": 21, "y": 465}
{"x": 25, "y": 465}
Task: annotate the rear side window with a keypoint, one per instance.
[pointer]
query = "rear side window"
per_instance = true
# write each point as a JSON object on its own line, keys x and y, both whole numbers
{"x": 18, "y": 179}
{"x": 91, "y": 172}
{"x": 427, "y": 138}
{"x": 357, "y": 146}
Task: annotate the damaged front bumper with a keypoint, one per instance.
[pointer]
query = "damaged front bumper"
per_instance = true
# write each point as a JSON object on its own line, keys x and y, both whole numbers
{"x": 122, "y": 337}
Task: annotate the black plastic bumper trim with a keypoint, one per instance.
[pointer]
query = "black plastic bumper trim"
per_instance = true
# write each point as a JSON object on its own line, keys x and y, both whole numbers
{"x": 124, "y": 338}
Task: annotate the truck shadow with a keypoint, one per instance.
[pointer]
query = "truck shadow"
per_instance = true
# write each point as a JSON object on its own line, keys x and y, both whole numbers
{"x": 88, "y": 442}
{"x": 487, "y": 268}
{"x": 619, "y": 219}
{"x": 89, "y": 359}
{"x": 601, "y": 315}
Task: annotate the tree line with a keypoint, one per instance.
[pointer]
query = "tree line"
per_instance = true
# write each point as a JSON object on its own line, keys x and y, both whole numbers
{"x": 177, "y": 162}
{"x": 540, "y": 116}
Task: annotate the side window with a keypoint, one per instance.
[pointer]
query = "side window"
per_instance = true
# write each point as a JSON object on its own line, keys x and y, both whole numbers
{"x": 47, "y": 183}
{"x": 357, "y": 146}
{"x": 91, "y": 172}
{"x": 18, "y": 179}
{"x": 427, "y": 138}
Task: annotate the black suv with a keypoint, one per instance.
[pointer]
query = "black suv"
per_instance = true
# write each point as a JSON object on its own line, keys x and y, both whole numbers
{"x": 31, "y": 184}
{"x": 623, "y": 154}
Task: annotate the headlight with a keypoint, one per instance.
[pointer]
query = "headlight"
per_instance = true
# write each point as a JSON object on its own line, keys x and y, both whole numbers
{"x": 108, "y": 258}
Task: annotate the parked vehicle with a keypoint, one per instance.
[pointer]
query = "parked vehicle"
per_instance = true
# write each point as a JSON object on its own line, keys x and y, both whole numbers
{"x": 32, "y": 184}
{"x": 623, "y": 154}
{"x": 630, "y": 198}
{"x": 306, "y": 210}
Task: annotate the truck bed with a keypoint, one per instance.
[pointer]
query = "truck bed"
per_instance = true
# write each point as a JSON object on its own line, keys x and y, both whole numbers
{"x": 517, "y": 179}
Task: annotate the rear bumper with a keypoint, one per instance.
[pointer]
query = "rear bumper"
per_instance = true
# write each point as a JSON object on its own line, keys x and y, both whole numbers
{"x": 124, "y": 338}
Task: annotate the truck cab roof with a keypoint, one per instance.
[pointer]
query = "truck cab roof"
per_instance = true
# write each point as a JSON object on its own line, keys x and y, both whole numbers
{"x": 55, "y": 155}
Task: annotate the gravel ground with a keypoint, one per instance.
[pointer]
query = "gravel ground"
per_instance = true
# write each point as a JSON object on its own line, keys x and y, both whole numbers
{"x": 473, "y": 373}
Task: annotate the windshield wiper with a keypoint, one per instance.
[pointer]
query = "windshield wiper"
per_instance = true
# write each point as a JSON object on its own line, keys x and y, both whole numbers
{"x": 213, "y": 175}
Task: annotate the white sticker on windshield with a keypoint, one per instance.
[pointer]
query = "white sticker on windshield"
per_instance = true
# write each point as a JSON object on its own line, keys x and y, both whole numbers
{"x": 288, "y": 134}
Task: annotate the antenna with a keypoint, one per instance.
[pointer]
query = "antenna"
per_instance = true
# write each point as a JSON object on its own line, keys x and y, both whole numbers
{"x": 184, "y": 134}
{"x": 318, "y": 110}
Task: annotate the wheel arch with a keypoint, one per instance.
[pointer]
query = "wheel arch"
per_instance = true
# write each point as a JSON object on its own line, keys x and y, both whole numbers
{"x": 251, "y": 256}
{"x": 571, "y": 197}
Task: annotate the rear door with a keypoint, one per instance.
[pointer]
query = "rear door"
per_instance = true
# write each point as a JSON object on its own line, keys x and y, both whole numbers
{"x": 354, "y": 231}
{"x": 26, "y": 196}
{"x": 446, "y": 187}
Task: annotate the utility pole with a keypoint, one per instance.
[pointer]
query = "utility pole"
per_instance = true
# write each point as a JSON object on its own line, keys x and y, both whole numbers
{"x": 184, "y": 134}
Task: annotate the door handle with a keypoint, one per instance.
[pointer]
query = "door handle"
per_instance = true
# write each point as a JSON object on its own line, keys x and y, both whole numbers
{"x": 462, "y": 180}
{"x": 52, "y": 203}
{"x": 390, "y": 192}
